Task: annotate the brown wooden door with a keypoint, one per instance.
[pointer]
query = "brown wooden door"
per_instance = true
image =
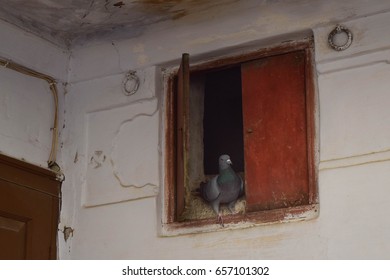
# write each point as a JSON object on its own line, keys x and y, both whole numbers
{"x": 29, "y": 207}
{"x": 275, "y": 131}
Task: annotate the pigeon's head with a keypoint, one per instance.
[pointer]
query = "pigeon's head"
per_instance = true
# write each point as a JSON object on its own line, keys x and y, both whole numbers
{"x": 224, "y": 161}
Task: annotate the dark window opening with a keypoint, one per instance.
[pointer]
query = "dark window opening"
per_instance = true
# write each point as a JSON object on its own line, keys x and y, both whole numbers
{"x": 222, "y": 121}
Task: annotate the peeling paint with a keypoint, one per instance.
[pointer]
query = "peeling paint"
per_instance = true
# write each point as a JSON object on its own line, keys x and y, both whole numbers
{"x": 68, "y": 232}
{"x": 76, "y": 157}
{"x": 77, "y": 20}
{"x": 97, "y": 159}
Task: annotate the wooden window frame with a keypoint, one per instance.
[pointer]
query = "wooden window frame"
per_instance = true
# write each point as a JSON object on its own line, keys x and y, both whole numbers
{"x": 170, "y": 224}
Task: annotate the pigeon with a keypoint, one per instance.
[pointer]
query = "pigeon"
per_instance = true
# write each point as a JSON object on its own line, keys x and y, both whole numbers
{"x": 226, "y": 187}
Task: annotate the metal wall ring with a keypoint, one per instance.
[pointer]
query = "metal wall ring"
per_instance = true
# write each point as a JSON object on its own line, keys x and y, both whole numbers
{"x": 131, "y": 83}
{"x": 339, "y": 29}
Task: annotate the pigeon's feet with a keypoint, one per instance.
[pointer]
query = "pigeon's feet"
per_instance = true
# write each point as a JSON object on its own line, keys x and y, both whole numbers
{"x": 220, "y": 220}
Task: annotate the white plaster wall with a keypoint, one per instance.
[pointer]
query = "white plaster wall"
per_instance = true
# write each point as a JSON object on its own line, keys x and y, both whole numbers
{"x": 26, "y": 103}
{"x": 33, "y": 52}
{"x": 112, "y": 221}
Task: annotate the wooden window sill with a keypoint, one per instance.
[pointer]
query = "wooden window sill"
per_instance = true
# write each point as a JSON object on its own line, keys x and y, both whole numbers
{"x": 242, "y": 221}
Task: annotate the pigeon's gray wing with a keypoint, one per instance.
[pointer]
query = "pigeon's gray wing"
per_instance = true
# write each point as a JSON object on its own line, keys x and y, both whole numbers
{"x": 210, "y": 190}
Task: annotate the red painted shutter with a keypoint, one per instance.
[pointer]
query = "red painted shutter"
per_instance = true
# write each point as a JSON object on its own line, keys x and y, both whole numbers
{"x": 183, "y": 88}
{"x": 275, "y": 132}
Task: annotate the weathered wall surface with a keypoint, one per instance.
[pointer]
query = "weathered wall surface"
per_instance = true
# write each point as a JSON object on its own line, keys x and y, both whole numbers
{"x": 26, "y": 103}
{"x": 112, "y": 153}
{"x": 354, "y": 136}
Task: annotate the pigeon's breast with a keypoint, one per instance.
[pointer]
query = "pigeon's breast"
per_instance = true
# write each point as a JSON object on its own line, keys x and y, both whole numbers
{"x": 229, "y": 191}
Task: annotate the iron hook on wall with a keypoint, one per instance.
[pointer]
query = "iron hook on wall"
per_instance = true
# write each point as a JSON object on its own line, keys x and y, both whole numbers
{"x": 130, "y": 83}
{"x": 337, "y": 30}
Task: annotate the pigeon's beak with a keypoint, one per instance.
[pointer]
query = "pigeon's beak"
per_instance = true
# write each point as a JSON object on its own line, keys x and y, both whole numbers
{"x": 229, "y": 161}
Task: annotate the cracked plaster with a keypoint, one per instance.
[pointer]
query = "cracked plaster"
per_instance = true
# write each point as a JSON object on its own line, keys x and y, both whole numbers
{"x": 122, "y": 148}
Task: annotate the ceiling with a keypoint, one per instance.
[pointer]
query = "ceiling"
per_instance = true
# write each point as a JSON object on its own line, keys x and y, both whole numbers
{"x": 70, "y": 22}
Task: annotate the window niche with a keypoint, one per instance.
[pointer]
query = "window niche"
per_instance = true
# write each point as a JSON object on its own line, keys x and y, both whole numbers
{"x": 215, "y": 126}
{"x": 260, "y": 109}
